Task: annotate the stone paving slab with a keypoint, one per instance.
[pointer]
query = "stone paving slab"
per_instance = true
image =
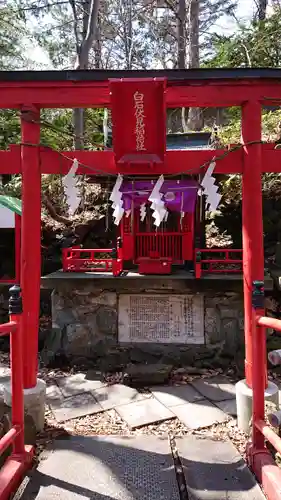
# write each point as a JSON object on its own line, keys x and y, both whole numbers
{"x": 215, "y": 388}
{"x": 171, "y": 395}
{"x": 115, "y": 395}
{"x": 105, "y": 468}
{"x": 228, "y": 407}
{"x": 77, "y": 384}
{"x": 199, "y": 414}
{"x": 74, "y": 407}
{"x": 214, "y": 470}
{"x": 144, "y": 412}
{"x": 53, "y": 393}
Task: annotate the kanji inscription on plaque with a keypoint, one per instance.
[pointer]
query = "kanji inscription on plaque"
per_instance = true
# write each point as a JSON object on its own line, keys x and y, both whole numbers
{"x": 177, "y": 319}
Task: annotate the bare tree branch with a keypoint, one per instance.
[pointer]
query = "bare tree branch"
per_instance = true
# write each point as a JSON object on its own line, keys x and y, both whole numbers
{"x": 52, "y": 211}
{"x": 75, "y": 24}
{"x": 247, "y": 54}
{"x": 40, "y": 7}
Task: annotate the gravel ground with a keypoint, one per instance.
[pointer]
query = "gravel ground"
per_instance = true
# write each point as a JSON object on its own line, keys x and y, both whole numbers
{"x": 109, "y": 422}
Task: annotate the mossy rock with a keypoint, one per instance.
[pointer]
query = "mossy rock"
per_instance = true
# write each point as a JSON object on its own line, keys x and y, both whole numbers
{"x": 146, "y": 375}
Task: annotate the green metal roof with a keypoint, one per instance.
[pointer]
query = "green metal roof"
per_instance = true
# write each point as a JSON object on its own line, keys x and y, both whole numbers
{"x": 11, "y": 203}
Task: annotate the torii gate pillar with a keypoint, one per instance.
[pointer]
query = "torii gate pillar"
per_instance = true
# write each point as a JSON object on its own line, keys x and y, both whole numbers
{"x": 30, "y": 269}
{"x": 30, "y": 241}
{"x": 253, "y": 255}
{"x": 252, "y": 221}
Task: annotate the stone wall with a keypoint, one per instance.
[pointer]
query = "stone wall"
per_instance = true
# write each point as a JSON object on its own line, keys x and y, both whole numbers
{"x": 224, "y": 321}
{"x": 85, "y": 321}
{"x": 85, "y": 326}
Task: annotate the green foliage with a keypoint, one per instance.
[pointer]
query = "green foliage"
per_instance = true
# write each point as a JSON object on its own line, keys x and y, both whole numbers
{"x": 132, "y": 35}
{"x": 258, "y": 44}
{"x": 12, "y": 32}
{"x": 139, "y": 35}
{"x": 9, "y": 128}
{"x": 56, "y": 128}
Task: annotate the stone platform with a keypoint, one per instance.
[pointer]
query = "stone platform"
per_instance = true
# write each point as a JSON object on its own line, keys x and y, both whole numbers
{"x": 98, "y": 316}
{"x": 140, "y": 467}
{"x": 58, "y": 277}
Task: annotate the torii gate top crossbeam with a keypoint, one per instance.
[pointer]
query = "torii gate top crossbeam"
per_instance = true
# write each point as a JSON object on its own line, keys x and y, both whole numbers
{"x": 162, "y": 89}
{"x": 172, "y": 75}
{"x": 200, "y": 87}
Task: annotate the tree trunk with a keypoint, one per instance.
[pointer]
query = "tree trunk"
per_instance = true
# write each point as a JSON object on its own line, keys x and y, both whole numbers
{"x": 195, "y": 121}
{"x": 90, "y": 20}
{"x": 78, "y": 125}
{"x": 262, "y": 5}
{"x": 181, "y": 43}
{"x": 98, "y": 48}
{"x": 194, "y": 34}
{"x": 126, "y": 14}
{"x": 181, "y": 20}
{"x": 105, "y": 127}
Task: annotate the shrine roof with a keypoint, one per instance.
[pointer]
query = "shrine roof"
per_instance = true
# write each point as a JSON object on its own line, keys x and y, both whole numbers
{"x": 182, "y": 141}
{"x": 173, "y": 76}
{"x": 194, "y": 140}
{"x": 12, "y": 203}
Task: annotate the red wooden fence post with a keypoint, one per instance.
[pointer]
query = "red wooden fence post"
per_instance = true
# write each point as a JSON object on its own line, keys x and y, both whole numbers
{"x": 16, "y": 356}
{"x": 30, "y": 241}
{"x": 17, "y": 247}
{"x": 252, "y": 224}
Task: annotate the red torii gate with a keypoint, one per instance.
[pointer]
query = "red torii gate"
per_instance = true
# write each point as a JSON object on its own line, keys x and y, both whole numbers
{"x": 30, "y": 91}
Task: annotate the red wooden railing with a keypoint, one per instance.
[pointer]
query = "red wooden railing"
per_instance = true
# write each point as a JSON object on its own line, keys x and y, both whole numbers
{"x": 77, "y": 260}
{"x": 21, "y": 457}
{"x": 259, "y": 457}
{"x": 83, "y": 260}
{"x": 227, "y": 264}
{"x": 167, "y": 246}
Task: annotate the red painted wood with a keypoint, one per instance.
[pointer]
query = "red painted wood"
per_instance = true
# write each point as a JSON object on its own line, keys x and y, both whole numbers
{"x": 96, "y": 94}
{"x": 97, "y": 163}
{"x": 267, "y": 472}
{"x": 30, "y": 246}
{"x": 17, "y": 247}
{"x": 138, "y": 114}
{"x": 222, "y": 94}
{"x": 250, "y": 161}
{"x": 16, "y": 359}
{"x": 259, "y": 458}
{"x": 12, "y": 472}
{"x": 258, "y": 377}
{"x": 7, "y": 328}
{"x": 252, "y": 232}
{"x": 54, "y": 94}
{"x": 8, "y": 439}
{"x": 86, "y": 260}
